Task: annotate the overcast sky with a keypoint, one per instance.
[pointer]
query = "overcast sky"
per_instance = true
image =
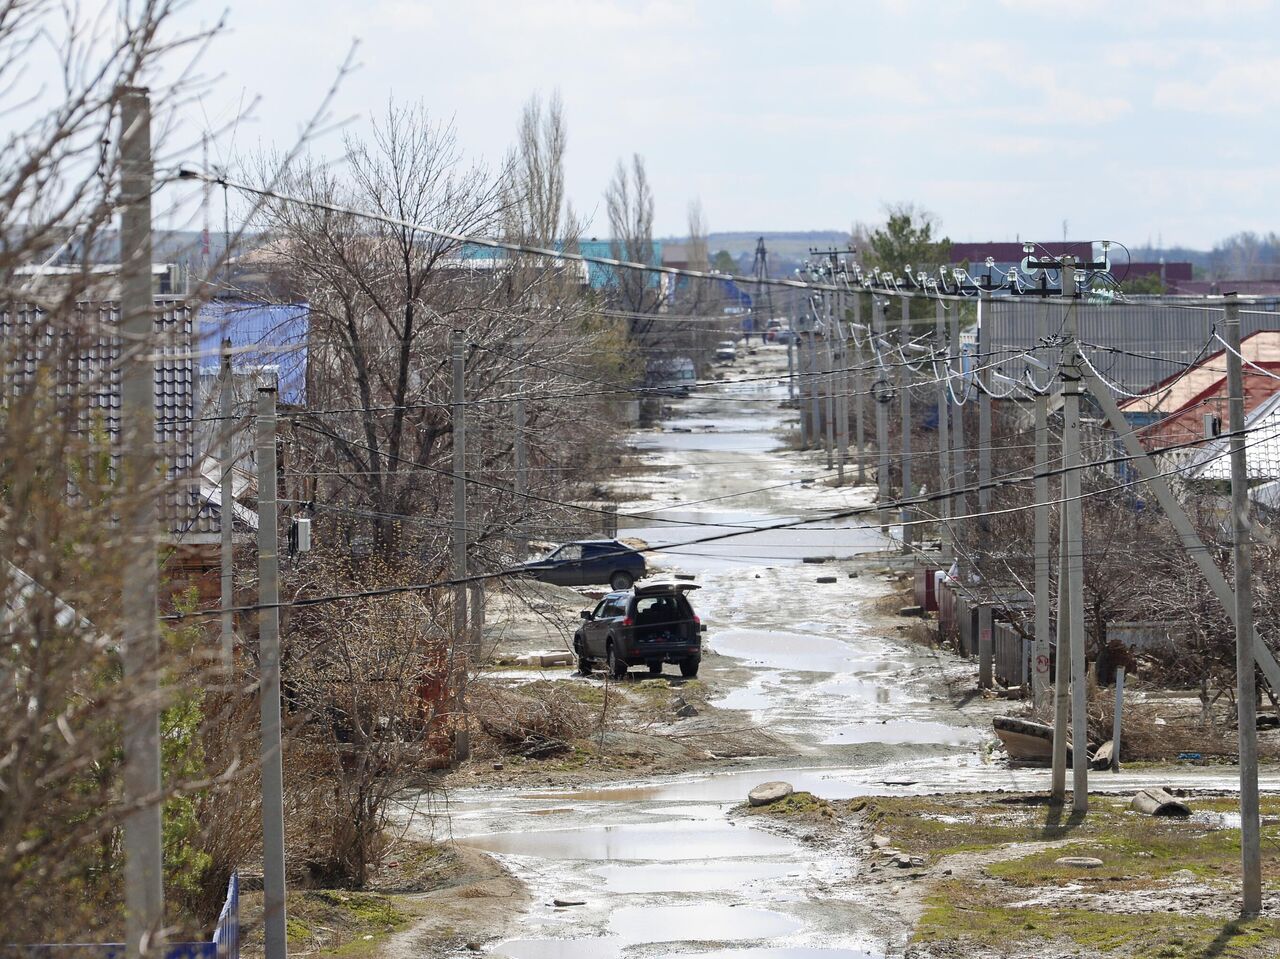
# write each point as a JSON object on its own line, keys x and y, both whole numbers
{"x": 1136, "y": 121}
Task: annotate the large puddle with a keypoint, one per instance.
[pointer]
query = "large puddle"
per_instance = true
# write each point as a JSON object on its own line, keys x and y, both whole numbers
{"x": 706, "y": 922}
{"x": 794, "y": 651}
{"x": 558, "y": 948}
{"x": 726, "y": 441}
{"x": 692, "y": 542}
{"x": 916, "y": 732}
{"x": 692, "y": 878}
{"x": 663, "y": 842}
{"x": 782, "y": 952}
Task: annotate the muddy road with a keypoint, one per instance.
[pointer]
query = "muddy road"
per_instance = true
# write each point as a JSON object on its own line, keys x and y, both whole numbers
{"x": 660, "y": 867}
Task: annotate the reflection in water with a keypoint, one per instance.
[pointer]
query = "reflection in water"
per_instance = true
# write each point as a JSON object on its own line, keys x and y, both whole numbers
{"x": 784, "y": 952}
{"x": 691, "y": 878}
{"x": 706, "y": 922}
{"x": 557, "y": 949}
{"x": 792, "y": 651}
{"x": 664, "y": 841}
{"x": 904, "y": 731}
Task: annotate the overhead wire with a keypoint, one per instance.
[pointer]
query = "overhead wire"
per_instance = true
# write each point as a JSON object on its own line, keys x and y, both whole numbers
{"x": 738, "y": 531}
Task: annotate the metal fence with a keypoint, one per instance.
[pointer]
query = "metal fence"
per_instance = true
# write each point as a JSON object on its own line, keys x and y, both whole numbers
{"x": 1134, "y": 345}
{"x": 225, "y": 943}
{"x": 226, "y": 933}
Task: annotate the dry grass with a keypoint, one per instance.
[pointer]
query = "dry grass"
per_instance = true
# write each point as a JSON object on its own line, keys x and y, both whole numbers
{"x": 532, "y": 714}
{"x": 1163, "y": 730}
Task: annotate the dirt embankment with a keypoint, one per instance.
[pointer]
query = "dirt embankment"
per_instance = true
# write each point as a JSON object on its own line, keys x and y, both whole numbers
{"x": 1010, "y": 876}
{"x": 437, "y": 893}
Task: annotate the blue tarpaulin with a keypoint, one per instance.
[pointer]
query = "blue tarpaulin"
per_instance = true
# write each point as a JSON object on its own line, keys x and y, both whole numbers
{"x": 279, "y": 330}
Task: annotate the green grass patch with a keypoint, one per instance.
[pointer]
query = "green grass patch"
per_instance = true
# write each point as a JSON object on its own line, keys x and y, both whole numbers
{"x": 942, "y": 825}
{"x": 337, "y": 922}
{"x": 798, "y": 804}
{"x": 955, "y": 911}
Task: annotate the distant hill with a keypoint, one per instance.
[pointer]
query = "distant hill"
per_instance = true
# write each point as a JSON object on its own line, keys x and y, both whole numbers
{"x": 792, "y": 244}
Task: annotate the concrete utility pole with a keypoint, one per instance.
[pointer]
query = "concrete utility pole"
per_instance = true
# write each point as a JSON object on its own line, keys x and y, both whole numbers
{"x": 984, "y": 428}
{"x": 859, "y": 391}
{"x": 829, "y": 383}
{"x": 227, "y": 512}
{"x": 791, "y": 375}
{"x": 458, "y": 416}
{"x": 1073, "y": 517}
{"x": 273, "y": 902}
{"x": 882, "y": 413}
{"x": 827, "y": 363}
{"x": 1246, "y": 686}
{"x": 904, "y": 413}
{"x": 944, "y": 439}
{"x": 140, "y": 646}
{"x": 839, "y": 385}
{"x": 985, "y": 609}
{"x": 817, "y": 432}
{"x": 959, "y": 502}
{"x": 1061, "y": 675}
{"x": 1040, "y": 678}
{"x": 519, "y": 447}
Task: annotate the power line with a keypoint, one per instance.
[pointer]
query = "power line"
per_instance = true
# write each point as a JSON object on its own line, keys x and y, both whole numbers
{"x": 869, "y": 509}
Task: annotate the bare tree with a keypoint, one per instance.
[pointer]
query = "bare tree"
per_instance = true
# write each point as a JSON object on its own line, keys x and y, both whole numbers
{"x": 629, "y": 204}
{"x": 63, "y": 697}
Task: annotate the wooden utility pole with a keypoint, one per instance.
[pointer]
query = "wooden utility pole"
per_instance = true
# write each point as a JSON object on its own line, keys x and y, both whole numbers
{"x": 140, "y": 646}
{"x": 273, "y": 881}
{"x": 1246, "y": 685}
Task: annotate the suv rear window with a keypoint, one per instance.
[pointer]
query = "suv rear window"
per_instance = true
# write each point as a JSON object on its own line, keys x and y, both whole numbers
{"x": 651, "y": 610}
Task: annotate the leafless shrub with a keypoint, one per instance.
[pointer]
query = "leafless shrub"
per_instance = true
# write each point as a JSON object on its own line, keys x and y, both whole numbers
{"x": 530, "y": 717}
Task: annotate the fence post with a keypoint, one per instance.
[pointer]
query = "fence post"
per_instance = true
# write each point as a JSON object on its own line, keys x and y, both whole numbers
{"x": 1115, "y": 720}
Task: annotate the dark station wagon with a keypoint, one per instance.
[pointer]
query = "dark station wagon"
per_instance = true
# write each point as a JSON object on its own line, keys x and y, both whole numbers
{"x": 589, "y": 562}
{"x": 649, "y": 625}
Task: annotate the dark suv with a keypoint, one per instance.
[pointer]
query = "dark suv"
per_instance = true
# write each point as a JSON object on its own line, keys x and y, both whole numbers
{"x": 651, "y": 624}
{"x": 589, "y": 562}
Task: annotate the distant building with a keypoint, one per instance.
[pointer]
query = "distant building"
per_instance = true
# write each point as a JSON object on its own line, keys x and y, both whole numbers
{"x": 726, "y": 296}
{"x": 602, "y": 277}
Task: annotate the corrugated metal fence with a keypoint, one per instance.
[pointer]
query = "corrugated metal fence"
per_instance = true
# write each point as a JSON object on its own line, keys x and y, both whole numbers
{"x": 225, "y": 943}
{"x": 1131, "y": 344}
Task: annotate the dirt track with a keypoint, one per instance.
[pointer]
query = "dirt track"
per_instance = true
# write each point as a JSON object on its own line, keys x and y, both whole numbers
{"x": 812, "y": 683}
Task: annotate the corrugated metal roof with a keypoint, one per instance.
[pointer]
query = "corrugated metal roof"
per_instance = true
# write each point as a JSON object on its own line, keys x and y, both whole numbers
{"x": 95, "y": 373}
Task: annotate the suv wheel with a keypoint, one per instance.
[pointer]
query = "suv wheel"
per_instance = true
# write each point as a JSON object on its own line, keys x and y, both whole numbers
{"x": 584, "y": 662}
{"x": 617, "y": 667}
{"x": 689, "y": 667}
{"x": 621, "y": 580}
